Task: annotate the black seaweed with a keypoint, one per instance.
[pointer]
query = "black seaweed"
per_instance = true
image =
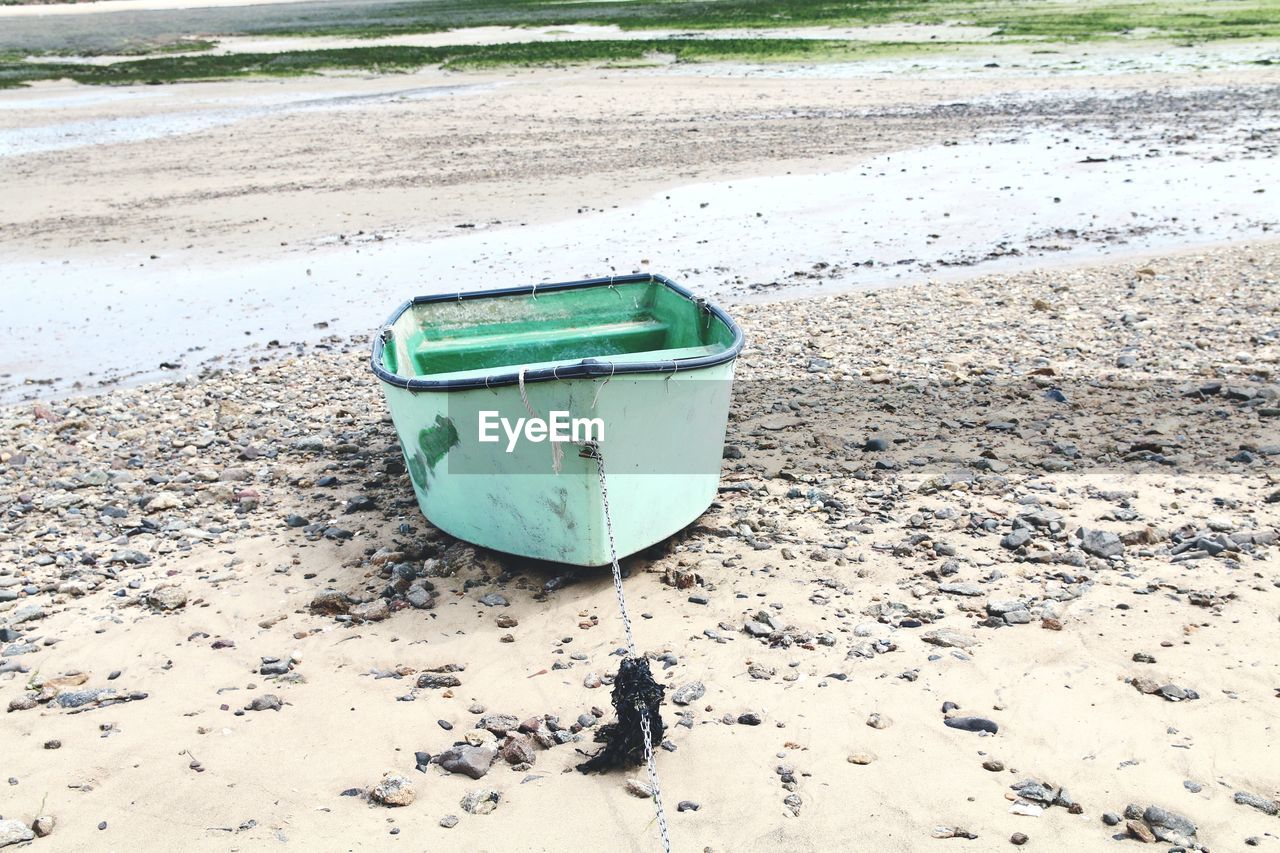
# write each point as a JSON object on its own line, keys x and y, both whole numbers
{"x": 633, "y": 689}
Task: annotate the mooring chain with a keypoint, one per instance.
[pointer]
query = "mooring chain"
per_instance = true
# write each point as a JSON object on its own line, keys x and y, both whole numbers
{"x": 631, "y": 650}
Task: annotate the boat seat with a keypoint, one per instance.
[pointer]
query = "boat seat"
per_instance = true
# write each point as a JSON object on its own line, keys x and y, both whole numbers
{"x": 620, "y": 359}
{"x": 550, "y": 343}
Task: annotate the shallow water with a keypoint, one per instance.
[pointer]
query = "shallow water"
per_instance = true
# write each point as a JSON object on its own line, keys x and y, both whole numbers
{"x": 991, "y": 204}
{"x": 61, "y": 136}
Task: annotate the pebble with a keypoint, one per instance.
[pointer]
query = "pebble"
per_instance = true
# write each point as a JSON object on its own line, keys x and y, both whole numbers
{"x": 473, "y": 761}
{"x": 972, "y": 724}
{"x": 637, "y": 788}
{"x": 1254, "y": 801}
{"x": 879, "y": 721}
{"x": 265, "y": 702}
{"x": 1140, "y": 831}
{"x": 861, "y": 758}
{"x": 1100, "y": 543}
{"x": 167, "y": 597}
{"x": 14, "y": 832}
{"x": 689, "y": 693}
{"x": 449, "y": 821}
{"x": 393, "y": 790}
{"x": 1018, "y": 839}
{"x": 480, "y": 801}
{"x": 948, "y": 638}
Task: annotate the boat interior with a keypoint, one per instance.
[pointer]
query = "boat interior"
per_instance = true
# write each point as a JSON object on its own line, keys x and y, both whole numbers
{"x": 621, "y": 323}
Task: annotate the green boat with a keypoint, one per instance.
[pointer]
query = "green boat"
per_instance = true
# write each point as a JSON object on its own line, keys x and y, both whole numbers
{"x": 634, "y": 369}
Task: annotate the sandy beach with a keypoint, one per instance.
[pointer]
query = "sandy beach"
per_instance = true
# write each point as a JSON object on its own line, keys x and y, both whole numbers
{"x": 994, "y": 558}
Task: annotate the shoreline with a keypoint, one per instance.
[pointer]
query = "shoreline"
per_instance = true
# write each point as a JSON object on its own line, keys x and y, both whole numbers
{"x": 238, "y": 360}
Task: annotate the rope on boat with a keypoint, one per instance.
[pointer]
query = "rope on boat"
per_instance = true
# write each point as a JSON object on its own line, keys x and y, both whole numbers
{"x": 634, "y": 680}
{"x": 557, "y": 452}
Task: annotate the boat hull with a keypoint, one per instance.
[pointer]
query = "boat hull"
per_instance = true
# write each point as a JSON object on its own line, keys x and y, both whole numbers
{"x": 662, "y": 445}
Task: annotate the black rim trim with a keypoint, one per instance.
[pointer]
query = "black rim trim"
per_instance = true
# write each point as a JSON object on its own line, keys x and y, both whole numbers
{"x": 587, "y": 368}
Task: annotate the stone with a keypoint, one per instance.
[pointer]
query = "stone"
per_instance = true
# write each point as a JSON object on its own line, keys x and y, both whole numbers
{"x": 480, "y": 801}
{"x": 688, "y": 806}
{"x": 449, "y": 821}
{"x": 43, "y": 826}
{"x": 499, "y": 724}
{"x": 1255, "y": 801}
{"x": 275, "y": 666}
{"x": 164, "y": 501}
{"x": 481, "y": 737}
{"x": 265, "y": 702}
{"x": 1140, "y": 831}
{"x": 997, "y": 607}
{"x": 1169, "y": 826}
{"x": 861, "y": 758}
{"x": 22, "y": 703}
{"x": 437, "y": 681}
{"x": 994, "y": 765}
{"x": 1100, "y": 543}
{"x": 1111, "y": 818}
{"x": 518, "y": 750}
{"x": 330, "y": 602}
{"x": 373, "y": 611}
{"x": 689, "y": 693}
{"x": 971, "y": 590}
{"x": 1018, "y": 839}
{"x": 28, "y": 612}
{"x": 1146, "y": 685}
{"x": 636, "y": 788}
{"x": 418, "y": 597}
{"x": 879, "y": 721}
{"x": 14, "y": 832}
{"x": 948, "y": 638}
{"x": 972, "y": 724}
{"x": 472, "y": 761}
{"x": 167, "y": 597}
{"x": 81, "y": 698}
{"x": 1016, "y": 539}
{"x": 393, "y": 790}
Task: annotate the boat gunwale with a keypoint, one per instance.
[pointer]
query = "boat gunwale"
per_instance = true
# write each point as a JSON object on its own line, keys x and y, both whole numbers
{"x": 585, "y": 369}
